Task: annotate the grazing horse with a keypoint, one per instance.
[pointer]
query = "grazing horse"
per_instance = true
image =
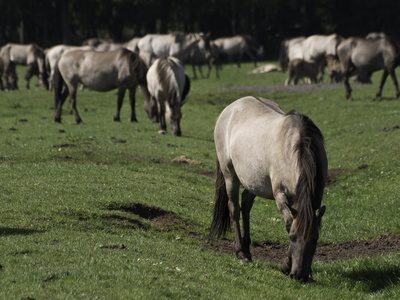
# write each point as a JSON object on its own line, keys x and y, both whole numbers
{"x": 179, "y": 45}
{"x": 200, "y": 55}
{"x": 168, "y": 86}
{"x": 30, "y": 55}
{"x": 240, "y": 44}
{"x": 367, "y": 56}
{"x": 53, "y": 55}
{"x": 99, "y": 71}
{"x": 275, "y": 156}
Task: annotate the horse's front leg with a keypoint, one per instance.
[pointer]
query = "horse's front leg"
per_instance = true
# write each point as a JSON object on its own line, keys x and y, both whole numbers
{"x": 247, "y": 204}
{"x": 284, "y": 207}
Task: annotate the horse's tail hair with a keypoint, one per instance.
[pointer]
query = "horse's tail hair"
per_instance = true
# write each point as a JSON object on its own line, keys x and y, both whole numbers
{"x": 283, "y": 56}
{"x": 58, "y": 82}
{"x": 221, "y": 220}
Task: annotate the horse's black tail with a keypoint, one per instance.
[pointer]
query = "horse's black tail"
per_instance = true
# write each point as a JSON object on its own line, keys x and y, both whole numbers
{"x": 221, "y": 221}
{"x": 58, "y": 82}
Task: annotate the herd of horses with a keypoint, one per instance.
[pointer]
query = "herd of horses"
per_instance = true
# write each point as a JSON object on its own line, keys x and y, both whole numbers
{"x": 269, "y": 153}
{"x": 102, "y": 65}
{"x": 353, "y": 57}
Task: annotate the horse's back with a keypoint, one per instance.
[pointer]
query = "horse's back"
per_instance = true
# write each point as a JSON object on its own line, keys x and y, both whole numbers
{"x": 254, "y": 139}
{"x": 164, "y": 74}
{"x": 231, "y": 45}
{"x": 369, "y": 54}
{"x": 99, "y": 71}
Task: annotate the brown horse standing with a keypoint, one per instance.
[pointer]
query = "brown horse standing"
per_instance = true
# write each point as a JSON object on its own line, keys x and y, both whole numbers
{"x": 102, "y": 72}
{"x": 275, "y": 156}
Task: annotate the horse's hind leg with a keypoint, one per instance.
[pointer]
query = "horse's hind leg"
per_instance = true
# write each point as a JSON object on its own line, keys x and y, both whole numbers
{"x": 247, "y": 204}
{"x": 120, "y": 100}
{"x": 232, "y": 188}
{"x": 72, "y": 100}
{"x": 132, "y": 100}
{"x": 383, "y": 80}
{"x": 396, "y": 84}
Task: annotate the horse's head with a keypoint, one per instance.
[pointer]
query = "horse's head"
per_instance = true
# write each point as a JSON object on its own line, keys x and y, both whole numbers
{"x": 174, "y": 116}
{"x": 302, "y": 247}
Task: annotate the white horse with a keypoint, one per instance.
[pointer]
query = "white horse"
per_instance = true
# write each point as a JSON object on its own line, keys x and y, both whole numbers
{"x": 179, "y": 45}
{"x": 168, "y": 86}
{"x": 53, "y": 55}
{"x": 239, "y": 45}
{"x": 30, "y": 55}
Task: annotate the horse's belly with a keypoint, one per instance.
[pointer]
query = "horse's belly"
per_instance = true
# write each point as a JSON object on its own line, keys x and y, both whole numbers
{"x": 100, "y": 82}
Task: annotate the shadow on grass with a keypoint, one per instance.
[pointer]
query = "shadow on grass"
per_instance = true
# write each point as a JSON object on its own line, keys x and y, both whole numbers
{"x": 17, "y": 231}
{"x": 375, "y": 279}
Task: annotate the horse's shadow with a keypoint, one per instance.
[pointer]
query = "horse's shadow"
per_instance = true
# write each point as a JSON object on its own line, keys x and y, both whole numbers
{"x": 375, "y": 277}
{"x": 17, "y": 231}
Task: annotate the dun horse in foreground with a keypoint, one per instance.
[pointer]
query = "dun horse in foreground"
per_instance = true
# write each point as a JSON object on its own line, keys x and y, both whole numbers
{"x": 102, "y": 72}
{"x": 275, "y": 156}
{"x": 168, "y": 85}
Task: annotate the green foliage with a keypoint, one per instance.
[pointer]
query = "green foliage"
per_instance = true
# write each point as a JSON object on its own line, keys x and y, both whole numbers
{"x": 67, "y": 189}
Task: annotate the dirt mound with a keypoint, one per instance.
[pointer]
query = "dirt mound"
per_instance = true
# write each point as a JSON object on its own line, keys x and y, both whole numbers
{"x": 272, "y": 251}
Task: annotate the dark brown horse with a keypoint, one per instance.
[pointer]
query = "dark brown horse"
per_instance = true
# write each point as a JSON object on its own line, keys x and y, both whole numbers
{"x": 275, "y": 156}
{"x": 367, "y": 56}
{"x": 102, "y": 72}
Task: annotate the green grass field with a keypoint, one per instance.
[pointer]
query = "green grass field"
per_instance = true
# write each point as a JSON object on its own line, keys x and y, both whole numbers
{"x": 66, "y": 190}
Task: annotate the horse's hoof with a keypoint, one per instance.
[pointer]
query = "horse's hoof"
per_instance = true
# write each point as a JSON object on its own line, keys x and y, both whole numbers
{"x": 244, "y": 257}
{"x": 162, "y": 132}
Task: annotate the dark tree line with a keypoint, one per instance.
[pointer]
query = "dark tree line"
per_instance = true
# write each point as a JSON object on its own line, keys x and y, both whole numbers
{"x": 51, "y": 22}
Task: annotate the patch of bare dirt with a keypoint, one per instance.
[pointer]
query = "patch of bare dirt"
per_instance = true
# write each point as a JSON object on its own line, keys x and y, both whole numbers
{"x": 272, "y": 251}
{"x": 333, "y": 174}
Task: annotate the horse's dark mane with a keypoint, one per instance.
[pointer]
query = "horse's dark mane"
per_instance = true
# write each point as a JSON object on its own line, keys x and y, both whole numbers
{"x": 139, "y": 68}
{"x": 164, "y": 77}
{"x": 311, "y": 183}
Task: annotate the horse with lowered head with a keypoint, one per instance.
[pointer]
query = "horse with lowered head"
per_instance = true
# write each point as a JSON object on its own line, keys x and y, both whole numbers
{"x": 288, "y": 163}
{"x": 99, "y": 71}
{"x": 30, "y": 55}
{"x": 168, "y": 86}
{"x": 367, "y": 56}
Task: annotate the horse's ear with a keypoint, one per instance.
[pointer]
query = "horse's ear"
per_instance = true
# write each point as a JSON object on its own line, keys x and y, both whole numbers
{"x": 319, "y": 213}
